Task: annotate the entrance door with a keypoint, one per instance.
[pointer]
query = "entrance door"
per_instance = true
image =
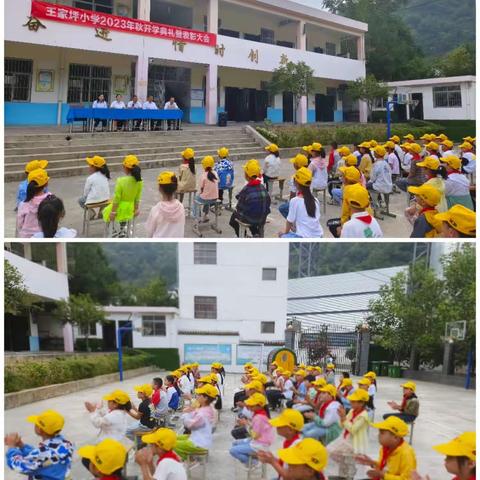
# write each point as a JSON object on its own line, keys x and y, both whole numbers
{"x": 17, "y": 331}
{"x": 324, "y": 105}
{"x": 232, "y": 102}
{"x": 288, "y": 107}
{"x": 108, "y": 334}
{"x": 127, "y": 340}
{"x": 416, "y": 109}
{"x": 261, "y": 104}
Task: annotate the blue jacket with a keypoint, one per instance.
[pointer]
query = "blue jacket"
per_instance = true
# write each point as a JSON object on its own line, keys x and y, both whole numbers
{"x": 174, "y": 401}
{"x": 226, "y": 174}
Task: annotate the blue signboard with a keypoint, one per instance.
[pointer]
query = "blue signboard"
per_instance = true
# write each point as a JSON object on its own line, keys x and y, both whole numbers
{"x": 207, "y": 353}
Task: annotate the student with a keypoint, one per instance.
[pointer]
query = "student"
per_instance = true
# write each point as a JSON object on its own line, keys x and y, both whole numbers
{"x": 104, "y": 460}
{"x": 128, "y": 192}
{"x": 208, "y": 188}
{"x": 271, "y": 165}
{"x": 457, "y": 185}
{"x": 253, "y": 201}
{"x": 311, "y": 398}
{"x": 409, "y": 138}
{"x": 398, "y": 149}
{"x": 436, "y": 175}
{"x": 333, "y": 158}
{"x": 397, "y": 457}
{"x": 303, "y": 220}
{"x": 52, "y": 458}
{"x": 330, "y": 374}
{"x": 446, "y": 148}
{"x": 159, "y": 398}
{"x": 100, "y": 102}
{"x": 372, "y": 377}
{"x": 96, "y": 187}
{"x": 298, "y": 161}
{"x": 365, "y": 384}
{"x": 172, "y": 105}
{"x": 354, "y": 440}
{"x": 22, "y": 187}
{"x": 27, "y": 215}
{"x": 350, "y": 161}
{"x": 381, "y": 176}
{"x": 50, "y": 212}
{"x": 416, "y": 176}
{"x": 161, "y": 444}
{"x": 199, "y": 421}
{"x": 318, "y": 166}
{"x": 393, "y": 160}
{"x": 336, "y": 181}
{"x": 173, "y": 396}
{"x": 431, "y": 149}
{"x": 426, "y": 198}
{"x": 468, "y": 158}
{"x": 458, "y": 222}
{"x": 226, "y": 174}
{"x": 218, "y": 372}
{"x": 409, "y": 408}
{"x": 406, "y": 159}
{"x": 366, "y": 161}
{"x": 261, "y": 432}
{"x": 300, "y": 389}
{"x": 361, "y": 223}
{"x": 167, "y": 218}
{"x": 111, "y": 423}
{"x": 184, "y": 383}
{"x": 145, "y": 413}
{"x": 186, "y": 174}
{"x": 151, "y": 105}
{"x": 118, "y": 104}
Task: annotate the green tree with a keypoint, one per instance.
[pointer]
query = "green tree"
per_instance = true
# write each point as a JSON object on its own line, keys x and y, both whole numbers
{"x": 153, "y": 294}
{"x": 296, "y": 78}
{"x": 367, "y": 89}
{"x": 460, "y": 61}
{"x": 16, "y": 296}
{"x": 82, "y": 311}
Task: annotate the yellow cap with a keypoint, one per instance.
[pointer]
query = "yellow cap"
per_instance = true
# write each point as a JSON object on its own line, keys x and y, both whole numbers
{"x": 426, "y": 136}
{"x": 321, "y": 382}
{"x": 254, "y": 385}
{"x": 166, "y": 178}
{"x": 208, "y": 162}
{"x": 287, "y": 373}
{"x": 432, "y": 163}
{"x": 365, "y": 145}
{"x": 442, "y": 137}
{"x": 306, "y": 452}
{"x": 460, "y": 218}
{"x": 453, "y": 162}
{"x": 36, "y": 164}
{"x": 252, "y": 168}
{"x": 117, "y": 396}
{"x": 176, "y": 373}
{"x": 260, "y": 377}
{"x": 358, "y": 196}
{"x": 351, "y": 160}
{"x": 299, "y": 160}
{"x": 303, "y": 176}
{"x": 49, "y": 421}
{"x": 395, "y": 139}
{"x": 447, "y": 143}
{"x": 415, "y": 148}
{"x": 108, "y": 456}
{"x": 364, "y": 381}
{"x": 96, "y": 161}
{"x": 300, "y": 372}
{"x": 427, "y": 193}
{"x": 410, "y": 385}
{"x": 216, "y": 365}
{"x": 257, "y": 399}
{"x": 188, "y": 153}
{"x": 373, "y": 143}
{"x": 39, "y": 176}
{"x": 206, "y": 379}
{"x": 409, "y": 136}
{"x": 380, "y": 151}
{"x": 330, "y": 366}
{"x": 465, "y": 445}
{"x": 390, "y": 144}
{"x": 469, "y": 139}
{"x": 315, "y": 146}
{"x": 432, "y": 146}
{"x": 330, "y": 389}
{"x": 466, "y": 146}
{"x": 223, "y": 152}
{"x": 346, "y": 382}
{"x": 130, "y": 161}
{"x": 359, "y": 395}
{"x": 393, "y": 424}
{"x": 352, "y": 174}
{"x": 406, "y": 146}
{"x": 370, "y": 375}
{"x": 307, "y": 148}
{"x": 344, "y": 151}
{"x": 165, "y": 438}
{"x": 208, "y": 390}
{"x": 289, "y": 418}
{"x": 146, "y": 389}
{"x": 272, "y": 148}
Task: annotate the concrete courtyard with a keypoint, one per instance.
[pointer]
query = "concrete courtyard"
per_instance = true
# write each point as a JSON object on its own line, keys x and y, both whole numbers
{"x": 69, "y": 189}
{"x": 445, "y": 412}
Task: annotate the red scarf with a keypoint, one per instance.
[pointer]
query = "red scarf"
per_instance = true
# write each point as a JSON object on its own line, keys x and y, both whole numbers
{"x": 288, "y": 443}
{"x": 260, "y": 412}
{"x": 331, "y": 159}
{"x": 110, "y": 477}
{"x": 323, "y": 408}
{"x": 426, "y": 209}
{"x": 347, "y": 390}
{"x": 470, "y": 478}
{"x": 386, "y": 452}
{"x": 404, "y": 403}
{"x": 354, "y": 416}
{"x": 171, "y": 454}
{"x": 255, "y": 181}
{"x": 366, "y": 218}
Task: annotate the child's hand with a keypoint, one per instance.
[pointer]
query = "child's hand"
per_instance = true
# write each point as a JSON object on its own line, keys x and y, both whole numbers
{"x": 375, "y": 473}
{"x": 144, "y": 456}
{"x": 112, "y": 216}
{"x": 364, "y": 460}
{"x": 309, "y": 414}
{"x": 341, "y": 412}
{"x": 90, "y": 407}
{"x": 12, "y": 440}
{"x": 265, "y": 457}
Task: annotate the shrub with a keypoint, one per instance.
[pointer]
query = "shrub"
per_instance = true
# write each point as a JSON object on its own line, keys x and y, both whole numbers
{"x": 95, "y": 344}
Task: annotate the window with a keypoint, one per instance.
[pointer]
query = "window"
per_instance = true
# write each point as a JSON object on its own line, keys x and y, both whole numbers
{"x": 205, "y": 253}
{"x": 447, "y": 97}
{"x": 154, "y": 326}
{"x": 267, "y": 36}
{"x": 379, "y": 103}
{"x": 18, "y": 80}
{"x": 330, "y": 48}
{"x": 269, "y": 274}
{"x": 205, "y": 307}
{"x": 104, "y": 6}
{"x": 87, "y": 82}
{"x": 332, "y": 92}
{"x": 90, "y": 329}
{"x": 268, "y": 327}
{"x": 348, "y": 47}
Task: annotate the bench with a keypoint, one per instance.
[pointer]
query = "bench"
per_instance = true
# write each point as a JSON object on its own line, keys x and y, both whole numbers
{"x": 198, "y": 225}
{"x": 377, "y": 209}
{"x": 191, "y": 195}
{"x": 125, "y": 230}
{"x": 92, "y": 212}
{"x": 281, "y": 184}
{"x": 245, "y": 227}
{"x": 252, "y": 467}
{"x": 197, "y": 459}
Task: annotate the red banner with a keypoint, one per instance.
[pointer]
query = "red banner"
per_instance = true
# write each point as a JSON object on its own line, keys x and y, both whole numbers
{"x": 87, "y": 18}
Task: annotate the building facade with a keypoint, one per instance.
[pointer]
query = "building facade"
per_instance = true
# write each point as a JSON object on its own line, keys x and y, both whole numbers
{"x": 211, "y": 55}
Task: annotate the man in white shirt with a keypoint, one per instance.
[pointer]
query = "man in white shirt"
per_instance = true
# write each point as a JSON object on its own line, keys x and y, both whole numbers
{"x": 100, "y": 102}
{"x": 151, "y": 105}
{"x": 118, "y": 104}
{"x": 171, "y": 105}
{"x": 135, "y": 104}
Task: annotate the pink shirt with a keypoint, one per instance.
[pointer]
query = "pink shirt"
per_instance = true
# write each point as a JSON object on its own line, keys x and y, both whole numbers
{"x": 264, "y": 433}
{"x": 208, "y": 189}
{"x": 166, "y": 220}
{"x": 27, "y": 220}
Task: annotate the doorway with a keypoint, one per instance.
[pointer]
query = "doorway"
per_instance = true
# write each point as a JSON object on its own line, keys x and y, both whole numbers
{"x": 246, "y": 104}
{"x": 324, "y": 107}
{"x": 416, "y": 108}
{"x": 17, "y": 330}
{"x": 108, "y": 334}
{"x": 127, "y": 337}
{"x": 288, "y": 107}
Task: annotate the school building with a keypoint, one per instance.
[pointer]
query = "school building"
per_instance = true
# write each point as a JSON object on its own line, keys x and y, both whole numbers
{"x": 211, "y": 55}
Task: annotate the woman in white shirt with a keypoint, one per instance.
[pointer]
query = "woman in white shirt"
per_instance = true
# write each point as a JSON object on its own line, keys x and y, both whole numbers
{"x": 118, "y": 104}
{"x": 100, "y": 102}
{"x": 271, "y": 165}
{"x": 96, "y": 187}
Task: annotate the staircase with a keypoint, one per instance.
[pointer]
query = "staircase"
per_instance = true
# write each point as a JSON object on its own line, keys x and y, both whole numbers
{"x": 154, "y": 149}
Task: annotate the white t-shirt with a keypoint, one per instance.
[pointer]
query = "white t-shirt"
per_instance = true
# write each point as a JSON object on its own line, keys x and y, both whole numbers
{"x": 96, "y": 188}
{"x": 288, "y": 389}
{"x": 457, "y": 185}
{"x": 170, "y": 392}
{"x": 406, "y": 162}
{"x": 470, "y": 167}
{"x": 137, "y": 104}
{"x": 170, "y": 106}
{"x": 271, "y": 166}
{"x": 356, "y": 228}
{"x": 394, "y": 163}
{"x": 97, "y": 104}
{"x": 306, "y": 226}
{"x": 118, "y": 105}
{"x": 62, "y": 232}
{"x": 112, "y": 424}
{"x": 150, "y": 106}
{"x": 170, "y": 469}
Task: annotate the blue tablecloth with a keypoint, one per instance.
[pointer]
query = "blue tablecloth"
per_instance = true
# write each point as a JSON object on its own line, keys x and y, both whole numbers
{"x": 78, "y": 114}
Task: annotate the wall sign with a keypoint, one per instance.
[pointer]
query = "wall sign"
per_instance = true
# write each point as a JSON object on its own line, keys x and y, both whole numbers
{"x": 205, "y": 353}
{"x": 87, "y": 18}
{"x": 45, "y": 81}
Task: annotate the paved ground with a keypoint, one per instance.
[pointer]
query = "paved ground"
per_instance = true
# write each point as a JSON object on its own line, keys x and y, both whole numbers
{"x": 69, "y": 189}
{"x": 445, "y": 412}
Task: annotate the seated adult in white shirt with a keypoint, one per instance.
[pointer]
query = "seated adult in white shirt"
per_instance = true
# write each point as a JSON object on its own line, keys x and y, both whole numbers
{"x": 151, "y": 105}
{"x": 135, "y": 104}
{"x": 100, "y": 102}
{"x": 171, "y": 105}
{"x": 118, "y": 104}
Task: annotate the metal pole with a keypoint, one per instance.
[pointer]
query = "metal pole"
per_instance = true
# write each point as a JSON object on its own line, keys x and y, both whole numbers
{"x": 119, "y": 349}
{"x": 469, "y": 369}
{"x": 389, "y": 128}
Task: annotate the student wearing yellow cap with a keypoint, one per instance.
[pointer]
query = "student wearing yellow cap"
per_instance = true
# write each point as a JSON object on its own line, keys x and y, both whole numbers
{"x": 167, "y": 218}
{"x": 457, "y": 185}
{"x": 253, "y": 201}
{"x": 406, "y": 158}
{"x": 104, "y": 460}
{"x": 431, "y": 149}
{"x": 50, "y": 213}
{"x": 397, "y": 458}
{"x": 271, "y": 165}
{"x": 393, "y": 159}
{"x": 381, "y": 176}
{"x": 416, "y": 176}
{"x": 226, "y": 174}
{"x": 458, "y": 222}
{"x": 436, "y": 174}
{"x": 426, "y": 198}
{"x": 468, "y": 158}
{"x": 27, "y": 219}
{"x": 51, "y": 459}
{"x": 297, "y": 162}
{"x": 410, "y": 406}
{"x": 318, "y": 167}
{"x": 22, "y": 187}
{"x": 366, "y": 159}
{"x": 144, "y": 413}
{"x": 446, "y": 148}
{"x": 187, "y": 181}
{"x": 219, "y": 373}
{"x": 125, "y": 204}
{"x": 365, "y": 384}
{"x": 97, "y": 188}
{"x": 173, "y": 392}
{"x": 207, "y": 187}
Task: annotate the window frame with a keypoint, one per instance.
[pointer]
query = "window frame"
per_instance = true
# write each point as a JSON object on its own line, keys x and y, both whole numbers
{"x": 15, "y": 74}
{"x": 269, "y": 269}
{"x": 263, "y": 326}
{"x": 450, "y": 92}
{"x": 205, "y": 253}
{"x": 86, "y": 84}
{"x": 328, "y": 49}
{"x": 202, "y": 313}
{"x": 82, "y": 330}
{"x": 95, "y": 5}
{"x": 156, "y": 319}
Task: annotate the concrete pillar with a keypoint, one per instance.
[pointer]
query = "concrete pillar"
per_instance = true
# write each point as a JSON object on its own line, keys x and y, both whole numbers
{"x": 361, "y": 47}
{"x": 68, "y": 338}
{"x": 290, "y": 338}
{"x": 301, "y": 36}
{"x": 211, "y": 95}
{"x": 62, "y": 80}
{"x": 61, "y": 253}
{"x": 141, "y": 76}
{"x": 27, "y": 250}
{"x": 363, "y": 349}
{"x": 143, "y": 10}
{"x": 302, "y": 110}
{"x": 362, "y": 106}
{"x": 212, "y": 16}
{"x": 448, "y": 359}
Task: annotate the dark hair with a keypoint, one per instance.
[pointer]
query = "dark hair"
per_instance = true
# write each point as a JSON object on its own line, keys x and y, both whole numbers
{"x": 158, "y": 381}
{"x": 309, "y": 199}
{"x": 310, "y": 378}
{"x": 126, "y": 406}
{"x": 209, "y": 399}
{"x": 33, "y": 189}
{"x": 50, "y": 211}
{"x": 334, "y": 144}
{"x": 277, "y": 153}
{"x": 210, "y": 175}
{"x": 191, "y": 165}
{"x": 462, "y": 461}
{"x": 345, "y": 375}
{"x": 441, "y": 172}
{"x": 322, "y": 152}
{"x": 136, "y": 173}
{"x": 170, "y": 379}
{"x": 103, "y": 170}
{"x": 169, "y": 189}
